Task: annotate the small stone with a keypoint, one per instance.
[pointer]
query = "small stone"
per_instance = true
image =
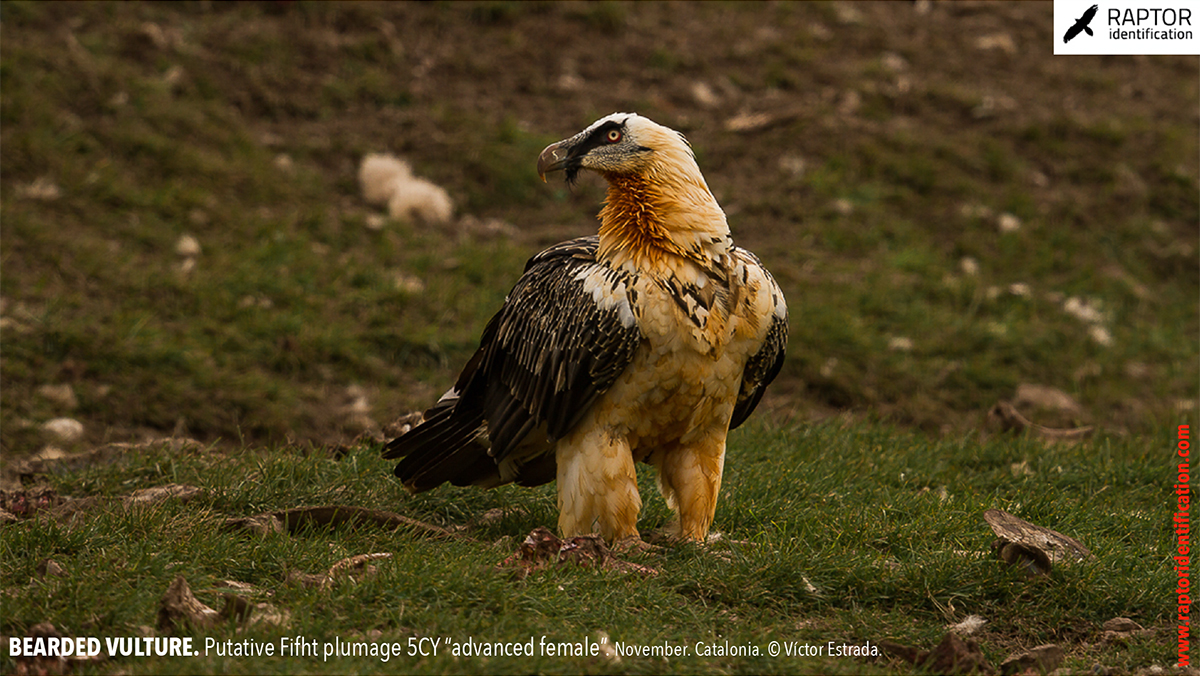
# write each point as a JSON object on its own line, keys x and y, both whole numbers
{"x": 1121, "y": 624}
{"x": 1000, "y": 41}
{"x": 1085, "y": 310}
{"x": 893, "y": 62}
{"x": 174, "y": 76}
{"x": 67, "y": 430}
{"x": 828, "y": 367}
{"x": 43, "y": 189}
{"x": 843, "y": 206}
{"x": 187, "y": 246}
{"x": 50, "y": 568}
{"x": 1042, "y": 659}
{"x": 1008, "y": 223}
{"x": 570, "y": 82}
{"x": 704, "y": 95}
{"x": 850, "y": 103}
{"x": 900, "y": 344}
{"x": 1100, "y": 335}
{"x": 847, "y": 14}
{"x": 409, "y": 283}
{"x": 50, "y": 453}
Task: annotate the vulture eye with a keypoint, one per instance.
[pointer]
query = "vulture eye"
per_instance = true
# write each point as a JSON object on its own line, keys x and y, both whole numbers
{"x": 614, "y": 136}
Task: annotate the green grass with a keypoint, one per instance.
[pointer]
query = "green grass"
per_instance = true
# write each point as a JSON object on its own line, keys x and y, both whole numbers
{"x": 858, "y": 513}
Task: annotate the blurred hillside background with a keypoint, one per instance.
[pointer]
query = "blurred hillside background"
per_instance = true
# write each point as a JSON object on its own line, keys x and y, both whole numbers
{"x": 951, "y": 210}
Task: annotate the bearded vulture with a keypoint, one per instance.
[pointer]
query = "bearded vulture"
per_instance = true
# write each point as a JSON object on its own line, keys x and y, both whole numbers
{"x": 645, "y": 343}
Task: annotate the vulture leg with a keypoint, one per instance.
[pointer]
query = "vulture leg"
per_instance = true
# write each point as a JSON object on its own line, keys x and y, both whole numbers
{"x": 690, "y": 479}
{"x": 597, "y": 485}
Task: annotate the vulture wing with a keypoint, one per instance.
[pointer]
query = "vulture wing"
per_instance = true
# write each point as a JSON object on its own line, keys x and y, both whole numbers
{"x": 558, "y": 343}
{"x": 762, "y": 368}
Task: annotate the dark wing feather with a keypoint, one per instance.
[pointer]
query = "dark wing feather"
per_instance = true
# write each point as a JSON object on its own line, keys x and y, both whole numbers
{"x": 555, "y": 349}
{"x": 762, "y": 368}
{"x": 542, "y": 361}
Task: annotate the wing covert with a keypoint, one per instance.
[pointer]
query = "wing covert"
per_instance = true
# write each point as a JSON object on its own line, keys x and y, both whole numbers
{"x": 762, "y": 368}
{"x": 564, "y": 335}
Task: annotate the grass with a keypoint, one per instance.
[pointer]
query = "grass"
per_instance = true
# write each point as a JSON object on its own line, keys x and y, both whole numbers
{"x": 886, "y": 526}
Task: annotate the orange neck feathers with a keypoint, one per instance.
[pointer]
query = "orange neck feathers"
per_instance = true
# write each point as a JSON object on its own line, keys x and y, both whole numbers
{"x": 647, "y": 222}
{"x": 631, "y": 220}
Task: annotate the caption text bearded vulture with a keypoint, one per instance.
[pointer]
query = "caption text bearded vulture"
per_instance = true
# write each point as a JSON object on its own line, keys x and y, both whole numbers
{"x": 646, "y": 343}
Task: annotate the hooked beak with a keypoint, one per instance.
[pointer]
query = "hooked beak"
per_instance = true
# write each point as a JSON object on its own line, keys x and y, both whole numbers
{"x": 553, "y": 158}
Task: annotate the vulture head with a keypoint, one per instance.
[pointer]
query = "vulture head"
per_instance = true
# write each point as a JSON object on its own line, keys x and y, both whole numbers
{"x": 620, "y": 144}
{"x": 658, "y": 204}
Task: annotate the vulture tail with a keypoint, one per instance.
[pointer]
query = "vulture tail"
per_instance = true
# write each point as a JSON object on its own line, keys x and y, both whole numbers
{"x": 447, "y": 446}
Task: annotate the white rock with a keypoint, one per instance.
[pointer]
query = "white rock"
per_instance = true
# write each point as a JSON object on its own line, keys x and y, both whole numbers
{"x": 570, "y": 82}
{"x": 408, "y": 283}
{"x": 66, "y": 429}
{"x": 704, "y": 95}
{"x": 1008, "y": 223}
{"x": 187, "y": 246}
{"x": 1001, "y": 41}
{"x": 1085, "y": 310}
{"x": 893, "y": 62}
{"x": 900, "y": 344}
{"x": 847, "y": 13}
{"x": 969, "y": 266}
{"x": 843, "y": 206}
{"x": 43, "y": 189}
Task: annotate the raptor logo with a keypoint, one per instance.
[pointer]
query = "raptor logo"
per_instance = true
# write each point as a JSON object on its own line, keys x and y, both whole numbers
{"x": 1081, "y": 24}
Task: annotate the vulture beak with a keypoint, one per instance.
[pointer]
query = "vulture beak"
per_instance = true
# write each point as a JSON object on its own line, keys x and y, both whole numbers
{"x": 553, "y": 158}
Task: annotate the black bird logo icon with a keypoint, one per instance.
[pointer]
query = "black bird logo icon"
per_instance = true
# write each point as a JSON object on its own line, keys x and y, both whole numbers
{"x": 1082, "y": 24}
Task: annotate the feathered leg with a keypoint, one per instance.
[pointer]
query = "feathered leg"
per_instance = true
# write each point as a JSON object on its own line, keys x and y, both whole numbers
{"x": 690, "y": 479}
{"x": 597, "y": 485}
